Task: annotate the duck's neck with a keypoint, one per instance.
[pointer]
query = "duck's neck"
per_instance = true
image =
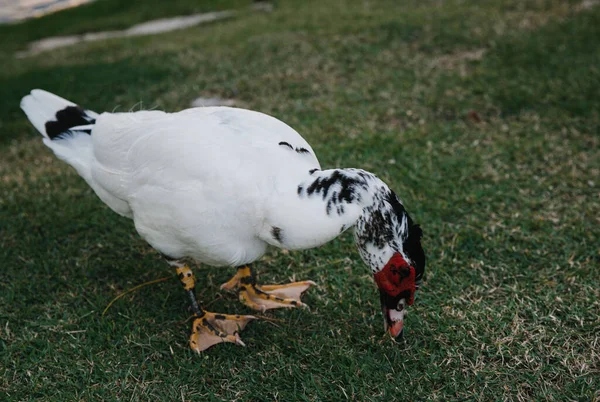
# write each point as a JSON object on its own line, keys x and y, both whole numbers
{"x": 380, "y": 219}
{"x": 381, "y": 228}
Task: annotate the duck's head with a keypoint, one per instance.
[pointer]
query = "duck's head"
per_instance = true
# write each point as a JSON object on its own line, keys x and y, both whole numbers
{"x": 390, "y": 244}
{"x": 397, "y": 288}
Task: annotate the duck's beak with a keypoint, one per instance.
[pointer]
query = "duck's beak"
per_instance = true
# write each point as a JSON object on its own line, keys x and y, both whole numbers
{"x": 393, "y": 320}
{"x": 397, "y": 328}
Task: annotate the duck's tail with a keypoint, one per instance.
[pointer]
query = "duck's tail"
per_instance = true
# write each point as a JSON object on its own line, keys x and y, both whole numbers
{"x": 66, "y": 128}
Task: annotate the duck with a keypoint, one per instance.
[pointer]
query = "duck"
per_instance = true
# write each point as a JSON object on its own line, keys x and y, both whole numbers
{"x": 219, "y": 185}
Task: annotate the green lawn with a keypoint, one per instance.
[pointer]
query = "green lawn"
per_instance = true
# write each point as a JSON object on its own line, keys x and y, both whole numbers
{"x": 484, "y": 116}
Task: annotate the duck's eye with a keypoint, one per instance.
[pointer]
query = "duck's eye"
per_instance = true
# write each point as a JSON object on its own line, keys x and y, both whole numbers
{"x": 400, "y": 305}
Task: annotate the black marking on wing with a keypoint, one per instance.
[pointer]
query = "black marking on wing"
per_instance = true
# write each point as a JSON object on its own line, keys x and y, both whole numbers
{"x": 66, "y": 118}
{"x": 311, "y": 171}
{"x": 300, "y": 150}
{"x": 277, "y": 234}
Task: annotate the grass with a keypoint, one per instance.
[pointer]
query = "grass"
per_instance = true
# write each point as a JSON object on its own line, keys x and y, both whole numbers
{"x": 482, "y": 115}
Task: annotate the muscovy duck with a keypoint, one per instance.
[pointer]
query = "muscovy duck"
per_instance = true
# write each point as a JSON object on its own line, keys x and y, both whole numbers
{"x": 219, "y": 185}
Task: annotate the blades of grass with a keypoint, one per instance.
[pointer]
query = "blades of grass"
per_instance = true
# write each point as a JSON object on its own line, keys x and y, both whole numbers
{"x": 133, "y": 289}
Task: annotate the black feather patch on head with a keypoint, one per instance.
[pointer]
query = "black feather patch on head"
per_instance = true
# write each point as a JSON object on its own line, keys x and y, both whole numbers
{"x": 69, "y": 117}
{"x": 413, "y": 248}
{"x": 412, "y": 244}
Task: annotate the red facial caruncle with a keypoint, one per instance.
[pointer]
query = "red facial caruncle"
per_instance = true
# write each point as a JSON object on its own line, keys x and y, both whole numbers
{"x": 397, "y": 277}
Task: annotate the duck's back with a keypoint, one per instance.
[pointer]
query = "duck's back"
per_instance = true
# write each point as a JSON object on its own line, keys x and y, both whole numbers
{"x": 197, "y": 181}
{"x": 212, "y": 136}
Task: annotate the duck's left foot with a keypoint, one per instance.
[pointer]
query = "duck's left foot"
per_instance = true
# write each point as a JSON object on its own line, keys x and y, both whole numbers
{"x": 210, "y": 329}
{"x": 266, "y": 297}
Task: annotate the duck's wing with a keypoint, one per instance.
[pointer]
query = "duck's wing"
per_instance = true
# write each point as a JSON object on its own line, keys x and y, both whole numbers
{"x": 197, "y": 181}
{"x": 112, "y": 138}
{"x": 258, "y": 128}
{"x": 213, "y": 141}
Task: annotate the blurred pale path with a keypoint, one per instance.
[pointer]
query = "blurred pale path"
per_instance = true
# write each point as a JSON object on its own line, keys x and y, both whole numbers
{"x": 15, "y": 10}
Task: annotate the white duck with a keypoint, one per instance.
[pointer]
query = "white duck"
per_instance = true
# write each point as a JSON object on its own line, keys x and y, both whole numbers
{"x": 219, "y": 185}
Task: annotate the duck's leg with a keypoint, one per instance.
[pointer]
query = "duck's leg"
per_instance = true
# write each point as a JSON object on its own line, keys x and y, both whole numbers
{"x": 266, "y": 297}
{"x": 208, "y": 328}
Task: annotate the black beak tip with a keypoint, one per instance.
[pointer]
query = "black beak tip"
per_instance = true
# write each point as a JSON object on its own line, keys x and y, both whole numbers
{"x": 400, "y": 335}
